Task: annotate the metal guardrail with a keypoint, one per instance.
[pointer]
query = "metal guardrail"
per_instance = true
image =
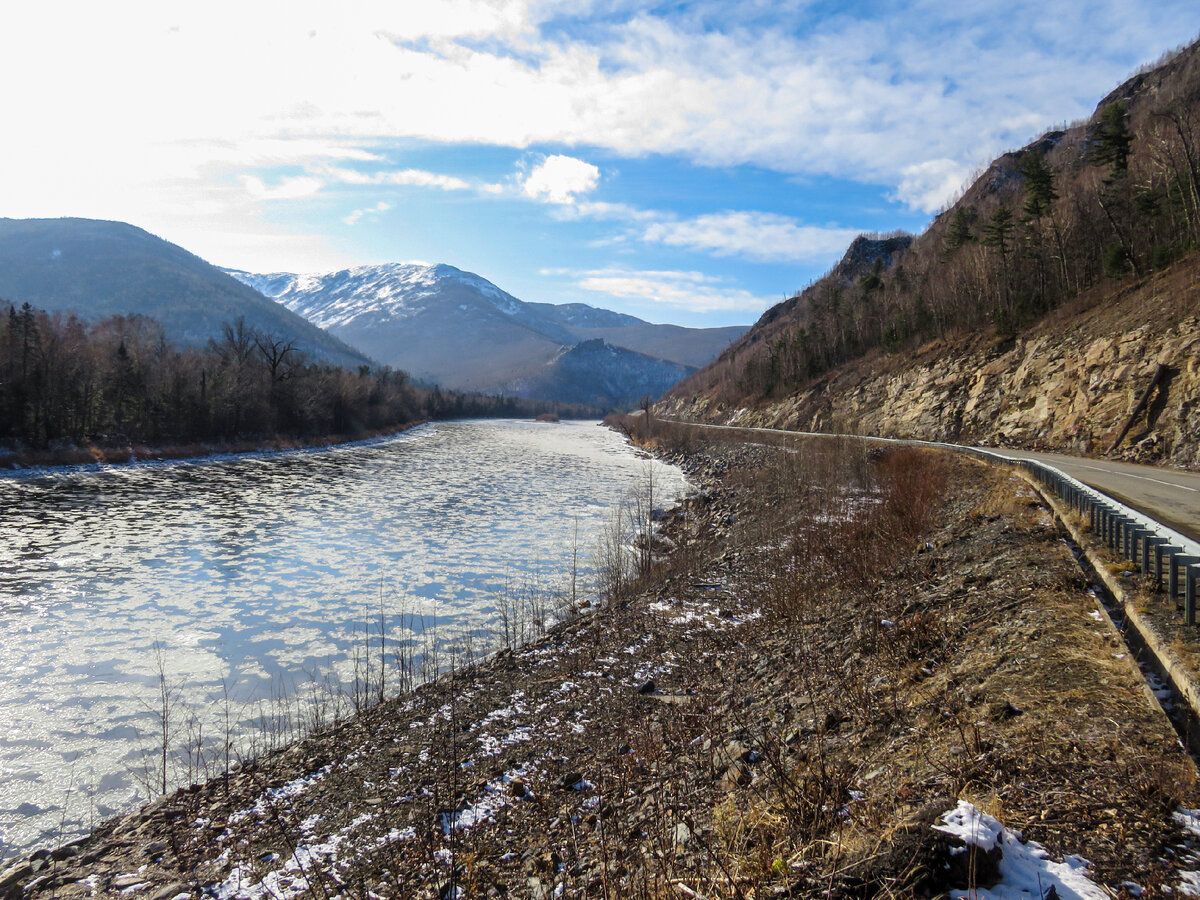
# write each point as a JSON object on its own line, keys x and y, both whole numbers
{"x": 1165, "y": 557}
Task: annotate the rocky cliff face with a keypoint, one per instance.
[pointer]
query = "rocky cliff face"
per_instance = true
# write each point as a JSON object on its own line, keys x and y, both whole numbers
{"x": 1070, "y": 384}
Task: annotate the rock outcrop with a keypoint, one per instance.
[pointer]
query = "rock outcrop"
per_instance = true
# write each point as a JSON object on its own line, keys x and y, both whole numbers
{"x": 1071, "y": 383}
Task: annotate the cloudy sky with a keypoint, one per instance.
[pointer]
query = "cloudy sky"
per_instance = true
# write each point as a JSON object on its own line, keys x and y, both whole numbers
{"x": 685, "y": 162}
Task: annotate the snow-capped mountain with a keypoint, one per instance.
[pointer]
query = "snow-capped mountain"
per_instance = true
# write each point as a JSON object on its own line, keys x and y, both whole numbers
{"x": 463, "y": 332}
{"x": 375, "y": 295}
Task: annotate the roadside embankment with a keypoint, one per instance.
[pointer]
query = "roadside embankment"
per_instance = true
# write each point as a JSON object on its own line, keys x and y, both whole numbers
{"x": 1071, "y": 383}
{"x": 835, "y": 651}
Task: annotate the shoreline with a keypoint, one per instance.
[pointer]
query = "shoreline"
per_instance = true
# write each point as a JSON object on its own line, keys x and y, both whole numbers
{"x": 665, "y": 740}
{"x": 20, "y": 463}
{"x": 12, "y": 466}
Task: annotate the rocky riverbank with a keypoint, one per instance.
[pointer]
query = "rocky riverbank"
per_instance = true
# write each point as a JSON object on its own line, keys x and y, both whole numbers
{"x": 848, "y": 672}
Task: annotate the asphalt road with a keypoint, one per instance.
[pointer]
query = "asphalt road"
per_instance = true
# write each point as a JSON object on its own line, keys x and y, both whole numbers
{"x": 1169, "y": 496}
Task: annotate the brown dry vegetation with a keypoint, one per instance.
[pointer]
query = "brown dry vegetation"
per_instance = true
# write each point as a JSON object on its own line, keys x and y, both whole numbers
{"x": 842, "y": 643}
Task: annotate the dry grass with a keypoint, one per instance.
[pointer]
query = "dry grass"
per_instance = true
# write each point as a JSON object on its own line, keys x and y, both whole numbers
{"x": 879, "y": 634}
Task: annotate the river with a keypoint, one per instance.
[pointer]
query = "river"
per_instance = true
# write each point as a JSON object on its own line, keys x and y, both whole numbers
{"x": 256, "y": 586}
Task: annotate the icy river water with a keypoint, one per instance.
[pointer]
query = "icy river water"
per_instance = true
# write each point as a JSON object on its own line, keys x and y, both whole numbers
{"x": 233, "y": 581}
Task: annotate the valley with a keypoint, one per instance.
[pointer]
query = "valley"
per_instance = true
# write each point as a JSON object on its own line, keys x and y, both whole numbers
{"x": 320, "y": 578}
{"x": 458, "y": 330}
{"x": 755, "y": 714}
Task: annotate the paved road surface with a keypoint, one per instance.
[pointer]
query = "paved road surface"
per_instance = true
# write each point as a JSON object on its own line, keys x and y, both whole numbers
{"x": 1169, "y": 496}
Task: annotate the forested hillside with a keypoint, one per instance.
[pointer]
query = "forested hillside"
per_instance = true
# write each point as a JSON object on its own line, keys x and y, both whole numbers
{"x": 94, "y": 269}
{"x": 114, "y": 384}
{"x": 1105, "y": 202}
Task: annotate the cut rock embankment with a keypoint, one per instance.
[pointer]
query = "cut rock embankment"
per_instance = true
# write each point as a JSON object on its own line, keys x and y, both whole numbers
{"x": 721, "y": 731}
{"x": 1069, "y": 383}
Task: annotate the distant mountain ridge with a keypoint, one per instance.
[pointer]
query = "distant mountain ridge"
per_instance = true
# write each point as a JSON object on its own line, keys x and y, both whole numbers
{"x": 598, "y": 373}
{"x": 463, "y": 332}
{"x": 96, "y": 269}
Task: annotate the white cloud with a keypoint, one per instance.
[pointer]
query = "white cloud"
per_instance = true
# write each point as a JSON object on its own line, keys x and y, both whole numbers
{"x": 287, "y": 189}
{"x": 748, "y": 234}
{"x": 929, "y": 185}
{"x": 605, "y": 210}
{"x": 418, "y": 177}
{"x": 558, "y": 179}
{"x": 425, "y": 179}
{"x": 692, "y": 291}
{"x": 766, "y": 237}
{"x": 380, "y": 207}
{"x": 864, "y": 99}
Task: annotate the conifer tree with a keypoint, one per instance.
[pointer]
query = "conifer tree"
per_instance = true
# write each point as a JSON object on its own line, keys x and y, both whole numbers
{"x": 997, "y": 233}
{"x": 959, "y": 232}
{"x": 1113, "y": 140}
{"x": 1039, "y": 185}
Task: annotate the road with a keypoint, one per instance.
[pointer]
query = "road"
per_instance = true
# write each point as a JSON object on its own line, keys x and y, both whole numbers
{"x": 1169, "y": 496}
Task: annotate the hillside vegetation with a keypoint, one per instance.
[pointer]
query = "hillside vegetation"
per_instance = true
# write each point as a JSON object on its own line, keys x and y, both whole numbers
{"x": 1082, "y": 218}
{"x": 96, "y": 269}
{"x": 72, "y": 391}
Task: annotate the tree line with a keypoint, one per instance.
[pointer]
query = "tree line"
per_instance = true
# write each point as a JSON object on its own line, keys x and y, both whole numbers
{"x": 1114, "y": 197}
{"x": 119, "y": 382}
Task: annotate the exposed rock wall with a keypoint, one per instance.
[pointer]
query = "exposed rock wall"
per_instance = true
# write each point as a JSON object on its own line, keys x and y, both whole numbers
{"x": 1068, "y": 384}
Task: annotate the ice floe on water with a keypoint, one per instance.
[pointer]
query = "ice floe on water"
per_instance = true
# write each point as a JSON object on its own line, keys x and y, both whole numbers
{"x": 259, "y": 578}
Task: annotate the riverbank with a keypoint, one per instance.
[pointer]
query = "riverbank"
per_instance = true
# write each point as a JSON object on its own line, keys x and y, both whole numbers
{"x": 839, "y": 648}
{"x": 93, "y": 456}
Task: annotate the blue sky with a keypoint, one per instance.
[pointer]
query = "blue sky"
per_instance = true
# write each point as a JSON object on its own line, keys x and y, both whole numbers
{"x": 684, "y": 162}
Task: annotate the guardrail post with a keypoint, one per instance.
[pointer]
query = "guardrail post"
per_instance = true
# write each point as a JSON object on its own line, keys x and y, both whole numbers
{"x": 1152, "y": 554}
{"x": 1169, "y": 556}
{"x": 1190, "y": 574}
{"x": 1160, "y": 552}
{"x": 1140, "y": 550}
{"x": 1177, "y": 571}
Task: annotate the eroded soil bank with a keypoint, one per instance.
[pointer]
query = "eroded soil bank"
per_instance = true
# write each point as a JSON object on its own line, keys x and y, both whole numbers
{"x": 839, "y": 647}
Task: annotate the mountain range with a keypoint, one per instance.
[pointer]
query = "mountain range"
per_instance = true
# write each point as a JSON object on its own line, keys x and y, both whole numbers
{"x": 96, "y": 269}
{"x": 443, "y": 325}
{"x": 461, "y": 331}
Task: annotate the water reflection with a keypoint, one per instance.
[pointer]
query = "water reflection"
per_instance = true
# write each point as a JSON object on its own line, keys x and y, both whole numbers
{"x": 254, "y": 575}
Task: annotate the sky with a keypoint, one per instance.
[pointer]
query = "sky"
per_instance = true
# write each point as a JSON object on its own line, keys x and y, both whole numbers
{"x": 683, "y": 162}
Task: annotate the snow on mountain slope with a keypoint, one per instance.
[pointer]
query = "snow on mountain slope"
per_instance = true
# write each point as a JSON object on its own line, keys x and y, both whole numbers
{"x": 459, "y": 330}
{"x": 388, "y": 293}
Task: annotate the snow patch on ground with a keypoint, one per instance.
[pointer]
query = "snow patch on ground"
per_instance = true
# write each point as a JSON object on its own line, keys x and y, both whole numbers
{"x": 293, "y": 880}
{"x": 270, "y": 796}
{"x": 494, "y": 796}
{"x": 1026, "y": 869}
